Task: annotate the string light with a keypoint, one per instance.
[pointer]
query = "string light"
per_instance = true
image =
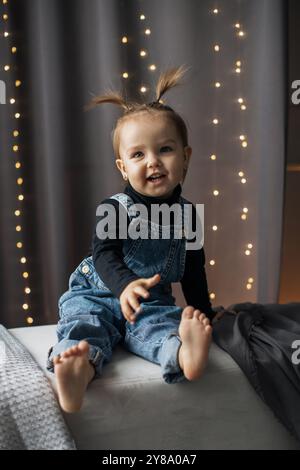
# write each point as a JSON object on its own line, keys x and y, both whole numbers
{"x": 143, "y": 53}
{"x": 152, "y": 67}
{"x": 212, "y": 262}
{"x": 216, "y": 47}
{"x": 147, "y": 31}
{"x": 212, "y": 295}
{"x": 10, "y": 68}
{"x": 125, "y": 75}
{"x": 142, "y": 17}
{"x": 213, "y": 157}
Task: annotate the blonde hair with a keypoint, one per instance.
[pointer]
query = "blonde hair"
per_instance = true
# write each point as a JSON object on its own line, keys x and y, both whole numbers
{"x": 167, "y": 80}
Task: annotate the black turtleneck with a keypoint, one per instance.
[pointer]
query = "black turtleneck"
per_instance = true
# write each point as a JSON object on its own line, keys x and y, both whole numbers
{"x": 109, "y": 264}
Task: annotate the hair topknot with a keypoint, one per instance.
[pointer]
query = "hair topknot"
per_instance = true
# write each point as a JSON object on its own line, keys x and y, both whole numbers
{"x": 168, "y": 79}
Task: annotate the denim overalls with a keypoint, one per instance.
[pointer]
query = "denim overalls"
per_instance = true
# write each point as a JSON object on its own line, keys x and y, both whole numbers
{"x": 89, "y": 310}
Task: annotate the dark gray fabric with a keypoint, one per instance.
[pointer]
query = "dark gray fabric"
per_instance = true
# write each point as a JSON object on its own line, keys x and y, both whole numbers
{"x": 71, "y": 50}
{"x": 260, "y": 338}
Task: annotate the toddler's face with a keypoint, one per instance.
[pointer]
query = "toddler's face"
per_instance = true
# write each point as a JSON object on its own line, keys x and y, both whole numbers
{"x": 148, "y": 145}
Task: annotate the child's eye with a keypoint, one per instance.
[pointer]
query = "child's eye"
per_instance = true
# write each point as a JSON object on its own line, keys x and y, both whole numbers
{"x": 136, "y": 153}
{"x": 168, "y": 148}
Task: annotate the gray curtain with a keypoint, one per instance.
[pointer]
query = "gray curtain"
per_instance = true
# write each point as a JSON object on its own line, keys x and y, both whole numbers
{"x": 72, "y": 50}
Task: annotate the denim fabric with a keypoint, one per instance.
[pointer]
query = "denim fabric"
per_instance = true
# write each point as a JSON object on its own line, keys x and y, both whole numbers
{"x": 89, "y": 310}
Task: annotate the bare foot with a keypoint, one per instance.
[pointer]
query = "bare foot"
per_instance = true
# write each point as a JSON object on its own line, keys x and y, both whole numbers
{"x": 195, "y": 333}
{"x": 73, "y": 374}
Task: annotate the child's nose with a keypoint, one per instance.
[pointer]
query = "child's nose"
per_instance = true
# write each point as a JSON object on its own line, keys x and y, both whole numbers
{"x": 153, "y": 159}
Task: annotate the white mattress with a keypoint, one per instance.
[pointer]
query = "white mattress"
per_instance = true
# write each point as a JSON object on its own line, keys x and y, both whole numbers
{"x": 131, "y": 407}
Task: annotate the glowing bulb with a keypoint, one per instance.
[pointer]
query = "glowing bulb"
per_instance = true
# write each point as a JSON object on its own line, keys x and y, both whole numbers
{"x": 15, "y": 148}
{"x": 25, "y": 306}
{"x": 241, "y": 33}
{"x": 148, "y": 31}
{"x": 217, "y": 84}
{"x": 243, "y": 217}
{"x": 250, "y": 245}
{"x": 216, "y": 11}
{"x": 247, "y": 252}
{"x": 238, "y": 63}
{"x": 15, "y": 133}
{"x": 13, "y": 49}
{"x": 242, "y": 137}
{"x": 241, "y": 174}
{"x": 152, "y": 67}
{"x": 237, "y": 25}
{"x": 20, "y": 181}
{"x": 249, "y": 286}
{"x": 216, "y": 192}
{"x": 18, "y": 165}
{"x": 6, "y": 34}
{"x": 124, "y": 40}
{"x": 25, "y": 275}
{"x": 216, "y": 121}
{"x": 212, "y": 262}
{"x": 18, "y": 83}
{"x": 125, "y": 75}
{"x": 6, "y": 68}
{"x": 18, "y": 228}
{"x": 213, "y": 157}
{"x": 238, "y": 70}
{"x": 21, "y": 197}
{"x": 29, "y": 320}
{"x": 245, "y": 210}
{"x": 142, "y": 17}
{"x": 245, "y": 144}
{"x": 19, "y": 245}
{"x": 143, "y": 53}
{"x": 27, "y": 290}
{"x": 12, "y": 101}
{"x": 243, "y": 107}
{"x": 17, "y": 213}
{"x": 17, "y": 115}
{"x": 5, "y": 16}
{"x": 143, "y": 89}
{"x": 216, "y": 47}
{"x": 240, "y": 100}
{"x": 23, "y": 260}
{"x": 251, "y": 280}
{"x": 243, "y": 180}
{"x": 212, "y": 295}
{"x": 215, "y": 228}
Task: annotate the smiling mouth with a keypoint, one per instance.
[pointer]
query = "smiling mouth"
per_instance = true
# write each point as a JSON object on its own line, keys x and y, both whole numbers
{"x": 156, "y": 179}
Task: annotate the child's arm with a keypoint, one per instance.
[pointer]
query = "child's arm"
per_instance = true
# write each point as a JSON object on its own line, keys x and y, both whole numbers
{"x": 194, "y": 283}
{"x": 108, "y": 257}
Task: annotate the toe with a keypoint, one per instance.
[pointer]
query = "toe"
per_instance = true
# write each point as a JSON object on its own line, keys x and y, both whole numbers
{"x": 202, "y": 317}
{"x": 66, "y": 353}
{"x": 197, "y": 313}
{"x": 206, "y": 321}
{"x": 83, "y": 346}
{"x": 188, "y": 312}
{"x": 208, "y": 329}
{"x": 56, "y": 360}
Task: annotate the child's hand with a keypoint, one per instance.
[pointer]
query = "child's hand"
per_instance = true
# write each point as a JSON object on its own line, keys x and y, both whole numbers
{"x": 129, "y": 297}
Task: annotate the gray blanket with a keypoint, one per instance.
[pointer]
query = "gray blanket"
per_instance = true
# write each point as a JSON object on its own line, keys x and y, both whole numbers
{"x": 30, "y": 417}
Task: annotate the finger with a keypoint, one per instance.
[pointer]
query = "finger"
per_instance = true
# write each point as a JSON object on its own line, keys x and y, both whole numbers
{"x": 151, "y": 281}
{"x": 140, "y": 290}
{"x": 127, "y": 310}
{"x": 134, "y": 303}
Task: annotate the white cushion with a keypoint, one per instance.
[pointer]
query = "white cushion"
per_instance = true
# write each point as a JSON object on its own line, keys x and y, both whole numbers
{"x": 131, "y": 407}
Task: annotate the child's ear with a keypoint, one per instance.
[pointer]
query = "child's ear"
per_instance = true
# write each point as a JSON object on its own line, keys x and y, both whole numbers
{"x": 121, "y": 167}
{"x": 187, "y": 155}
